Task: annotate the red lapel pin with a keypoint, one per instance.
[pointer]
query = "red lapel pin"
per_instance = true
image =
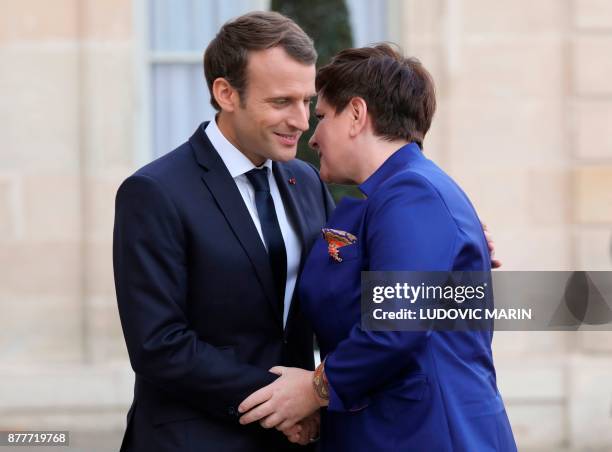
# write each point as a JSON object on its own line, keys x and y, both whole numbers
{"x": 292, "y": 180}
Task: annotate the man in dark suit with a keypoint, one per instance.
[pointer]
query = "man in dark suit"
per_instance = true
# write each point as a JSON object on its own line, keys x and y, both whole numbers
{"x": 209, "y": 241}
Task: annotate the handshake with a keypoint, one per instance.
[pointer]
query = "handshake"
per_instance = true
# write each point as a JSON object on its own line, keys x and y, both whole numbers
{"x": 290, "y": 404}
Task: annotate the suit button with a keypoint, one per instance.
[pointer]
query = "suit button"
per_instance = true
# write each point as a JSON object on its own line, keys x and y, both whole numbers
{"x": 285, "y": 341}
{"x": 232, "y": 411}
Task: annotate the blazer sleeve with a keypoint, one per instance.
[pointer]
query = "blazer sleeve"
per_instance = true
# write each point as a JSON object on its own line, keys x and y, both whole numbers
{"x": 408, "y": 228}
{"x": 150, "y": 272}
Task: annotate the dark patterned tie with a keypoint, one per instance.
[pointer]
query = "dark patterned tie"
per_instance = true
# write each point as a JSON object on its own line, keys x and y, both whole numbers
{"x": 271, "y": 230}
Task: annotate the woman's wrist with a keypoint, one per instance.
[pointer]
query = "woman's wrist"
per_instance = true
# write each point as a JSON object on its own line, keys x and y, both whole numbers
{"x": 321, "y": 385}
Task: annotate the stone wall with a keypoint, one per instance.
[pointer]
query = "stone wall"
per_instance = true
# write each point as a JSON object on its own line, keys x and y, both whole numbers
{"x": 67, "y": 119}
{"x": 525, "y": 105}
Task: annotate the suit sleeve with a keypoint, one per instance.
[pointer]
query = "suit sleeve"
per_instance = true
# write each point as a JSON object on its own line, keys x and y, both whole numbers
{"x": 408, "y": 228}
{"x": 150, "y": 271}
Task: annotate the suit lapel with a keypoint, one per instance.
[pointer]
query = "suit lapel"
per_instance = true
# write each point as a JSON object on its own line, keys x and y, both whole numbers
{"x": 223, "y": 188}
{"x": 288, "y": 192}
{"x": 295, "y": 211}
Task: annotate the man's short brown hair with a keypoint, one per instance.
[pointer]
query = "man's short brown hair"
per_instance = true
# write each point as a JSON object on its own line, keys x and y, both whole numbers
{"x": 398, "y": 91}
{"x": 227, "y": 54}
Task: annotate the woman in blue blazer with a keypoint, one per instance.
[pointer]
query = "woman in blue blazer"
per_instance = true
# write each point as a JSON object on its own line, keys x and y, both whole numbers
{"x": 392, "y": 391}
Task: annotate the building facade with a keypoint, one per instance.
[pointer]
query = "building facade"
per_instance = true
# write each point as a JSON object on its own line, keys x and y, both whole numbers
{"x": 93, "y": 89}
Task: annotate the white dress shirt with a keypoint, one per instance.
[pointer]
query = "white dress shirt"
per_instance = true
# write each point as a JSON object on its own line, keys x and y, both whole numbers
{"x": 238, "y": 165}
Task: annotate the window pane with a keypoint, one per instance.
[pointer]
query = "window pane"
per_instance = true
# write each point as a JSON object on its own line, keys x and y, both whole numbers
{"x": 180, "y": 102}
{"x": 369, "y": 21}
{"x": 189, "y": 25}
{"x": 180, "y": 99}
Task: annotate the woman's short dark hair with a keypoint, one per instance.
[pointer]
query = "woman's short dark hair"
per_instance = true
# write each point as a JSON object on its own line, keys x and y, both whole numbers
{"x": 398, "y": 91}
{"x": 227, "y": 54}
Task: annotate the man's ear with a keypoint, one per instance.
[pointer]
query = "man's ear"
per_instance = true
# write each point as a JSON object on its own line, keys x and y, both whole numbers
{"x": 358, "y": 111}
{"x": 225, "y": 94}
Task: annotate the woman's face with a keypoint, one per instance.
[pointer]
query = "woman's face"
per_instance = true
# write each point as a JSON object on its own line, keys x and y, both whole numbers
{"x": 332, "y": 142}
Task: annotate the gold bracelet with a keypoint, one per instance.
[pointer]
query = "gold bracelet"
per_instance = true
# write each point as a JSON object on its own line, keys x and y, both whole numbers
{"x": 320, "y": 383}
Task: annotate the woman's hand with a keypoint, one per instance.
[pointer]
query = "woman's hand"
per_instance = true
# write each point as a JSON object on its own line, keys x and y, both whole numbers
{"x": 306, "y": 431}
{"x": 495, "y": 263}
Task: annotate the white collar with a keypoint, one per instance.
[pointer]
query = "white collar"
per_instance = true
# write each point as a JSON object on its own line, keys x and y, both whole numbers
{"x": 236, "y": 162}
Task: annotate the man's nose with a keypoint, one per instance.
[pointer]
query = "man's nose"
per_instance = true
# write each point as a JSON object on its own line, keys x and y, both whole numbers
{"x": 299, "y": 117}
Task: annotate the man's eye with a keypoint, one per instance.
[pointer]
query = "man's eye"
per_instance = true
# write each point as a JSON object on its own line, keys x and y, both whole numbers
{"x": 280, "y": 101}
{"x": 319, "y": 116}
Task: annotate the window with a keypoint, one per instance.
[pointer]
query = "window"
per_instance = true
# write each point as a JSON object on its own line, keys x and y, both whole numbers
{"x": 174, "y": 95}
{"x": 178, "y": 33}
{"x": 369, "y": 21}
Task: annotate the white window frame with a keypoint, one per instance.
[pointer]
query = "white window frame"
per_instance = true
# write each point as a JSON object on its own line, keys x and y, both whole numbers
{"x": 145, "y": 58}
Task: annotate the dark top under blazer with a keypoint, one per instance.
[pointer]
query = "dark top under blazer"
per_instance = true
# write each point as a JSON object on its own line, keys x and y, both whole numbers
{"x": 196, "y": 298}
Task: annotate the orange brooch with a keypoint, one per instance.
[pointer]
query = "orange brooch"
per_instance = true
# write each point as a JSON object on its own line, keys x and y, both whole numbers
{"x": 336, "y": 239}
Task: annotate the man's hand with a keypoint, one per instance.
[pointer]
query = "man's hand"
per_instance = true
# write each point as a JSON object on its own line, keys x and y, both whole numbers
{"x": 305, "y": 431}
{"x": 495, "y": 263}
{"x": 284, "y": 402}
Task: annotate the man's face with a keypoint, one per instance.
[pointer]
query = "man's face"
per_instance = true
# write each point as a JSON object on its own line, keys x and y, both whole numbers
{"x": 332, "y": 142}
{"x": 275, "y": 108}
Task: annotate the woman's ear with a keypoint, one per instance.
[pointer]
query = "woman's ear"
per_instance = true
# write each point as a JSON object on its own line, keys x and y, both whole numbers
{"x": 358, "y": 111}
{"x": 225, "y": 95}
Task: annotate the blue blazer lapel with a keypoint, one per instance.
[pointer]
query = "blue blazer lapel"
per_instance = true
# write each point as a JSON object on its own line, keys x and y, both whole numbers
{"x": 223, "y": 188}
